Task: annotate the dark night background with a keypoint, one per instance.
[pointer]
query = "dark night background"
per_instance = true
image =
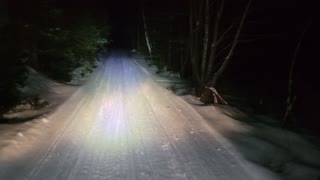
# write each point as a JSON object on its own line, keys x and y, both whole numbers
{"x": 259, "y": 68}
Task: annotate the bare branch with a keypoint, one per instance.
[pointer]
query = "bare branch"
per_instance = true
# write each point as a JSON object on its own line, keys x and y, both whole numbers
{"x": 146, "y": 33}
{"x": 234, "y": 45}
{"x": 223, "y": 35}
{"x": 215, "y": 38}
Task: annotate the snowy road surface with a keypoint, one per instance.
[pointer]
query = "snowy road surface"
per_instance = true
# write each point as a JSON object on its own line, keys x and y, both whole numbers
{"x": 123, "y": 125}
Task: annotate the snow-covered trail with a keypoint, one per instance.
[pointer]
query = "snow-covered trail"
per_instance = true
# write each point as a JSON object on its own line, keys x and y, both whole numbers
{"x": 123, "y": 125}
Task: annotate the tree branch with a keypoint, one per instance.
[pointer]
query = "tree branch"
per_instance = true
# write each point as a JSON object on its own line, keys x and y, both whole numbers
{"x": 234, "y": 45}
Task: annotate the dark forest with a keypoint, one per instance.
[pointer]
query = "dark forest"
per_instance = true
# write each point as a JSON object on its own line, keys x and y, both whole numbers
{"x": 259, "y": 56}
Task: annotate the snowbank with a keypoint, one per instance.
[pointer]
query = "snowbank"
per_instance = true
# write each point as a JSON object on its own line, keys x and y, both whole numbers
{"x": 18, "y": 131}
{"x": 285, "y": 153}
{"x": 41, "y": 96}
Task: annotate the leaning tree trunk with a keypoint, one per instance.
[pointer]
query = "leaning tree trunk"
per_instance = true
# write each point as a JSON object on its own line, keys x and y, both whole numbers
{"x": 233, "y": 47}
{"x": 197, "y": 43}
{"x": 210, "y": 94}
{"x": 138, "y": 36}
{"x": 215, "y": 43}
{"x": 205, "y": 42}
{"x": 193, "y": 31}
{"x": 146, "y": 33}
{"x": 291, "y": 99}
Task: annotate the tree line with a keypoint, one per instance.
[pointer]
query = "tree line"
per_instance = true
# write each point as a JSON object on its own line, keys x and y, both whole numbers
{"x": 51, "y": 39}
{"x": 209, "y": 45}
{"x": 201, "y": 39}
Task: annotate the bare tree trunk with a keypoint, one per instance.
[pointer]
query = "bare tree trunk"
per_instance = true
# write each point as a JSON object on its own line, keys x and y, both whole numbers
{"x": 190, "y": 28}
{"x": 205, "y": 42}
{"x": 233, "y": 47}
{"x": 138, "y": 36}
{"x": 169, "y": 63}
{"x": 291, "y": 97}
{"x": 146, "y": 33}
{"x": 214, "y": 44}
{"x": 193, "y": 44}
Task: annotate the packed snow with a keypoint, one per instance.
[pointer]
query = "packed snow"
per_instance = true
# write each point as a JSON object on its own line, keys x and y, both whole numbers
{"x": 126, "y": 123}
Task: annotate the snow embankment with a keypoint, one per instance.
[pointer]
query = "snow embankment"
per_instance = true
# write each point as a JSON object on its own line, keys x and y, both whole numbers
{"x": 42, "y": 95}
{"x": 286, "y": 153}
{"x": 17, "y": 139}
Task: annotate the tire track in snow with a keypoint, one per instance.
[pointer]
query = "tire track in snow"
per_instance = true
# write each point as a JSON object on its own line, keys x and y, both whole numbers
{"x": 199, "y": 140}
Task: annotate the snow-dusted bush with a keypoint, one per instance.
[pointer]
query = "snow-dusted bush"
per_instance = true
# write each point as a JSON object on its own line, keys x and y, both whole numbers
{"x": 51, "y": 42}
